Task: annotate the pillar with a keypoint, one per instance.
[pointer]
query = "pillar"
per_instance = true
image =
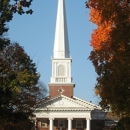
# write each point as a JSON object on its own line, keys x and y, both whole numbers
{"x": 88, "y": 124}
{"x": 69, "y": 123}
{"x": 35, "y": 121}
{"x": 51, "y": 123}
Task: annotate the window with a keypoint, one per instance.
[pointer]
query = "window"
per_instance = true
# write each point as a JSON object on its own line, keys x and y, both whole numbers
{"x": 79, "y": 123}
{"x": 61, "y": 70}
{"x": 61, "y": 123}
{"x": 44, "y": 124}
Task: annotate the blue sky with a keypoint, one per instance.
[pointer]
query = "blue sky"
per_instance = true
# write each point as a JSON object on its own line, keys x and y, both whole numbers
{"x": 36, "y": 34}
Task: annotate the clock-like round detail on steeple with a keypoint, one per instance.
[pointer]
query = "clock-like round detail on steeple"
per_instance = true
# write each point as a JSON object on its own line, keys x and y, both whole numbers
{"x": 61, "y": 90}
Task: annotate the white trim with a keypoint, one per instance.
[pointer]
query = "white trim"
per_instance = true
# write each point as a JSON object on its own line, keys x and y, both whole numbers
{"x": 85, "y": 104}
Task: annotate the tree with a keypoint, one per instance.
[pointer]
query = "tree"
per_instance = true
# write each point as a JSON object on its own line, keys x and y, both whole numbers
{"x": 19, "y": 89}
{"x": 124, "y": 124}
{"x": 7, "y": 10}
{"x": 19, "y": 80}
{"x": 111, "y": 53}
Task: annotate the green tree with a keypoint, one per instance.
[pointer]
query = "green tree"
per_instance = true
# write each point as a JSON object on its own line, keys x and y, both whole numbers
{"x": 19, "y": 88}
{"x": 111, "y": 53}
{"x": 7, "y": 10}
{"x": 19, "y": 80}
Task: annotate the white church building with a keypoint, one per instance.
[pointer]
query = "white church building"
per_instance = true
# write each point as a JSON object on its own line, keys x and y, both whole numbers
{"x": 62, "y": 110}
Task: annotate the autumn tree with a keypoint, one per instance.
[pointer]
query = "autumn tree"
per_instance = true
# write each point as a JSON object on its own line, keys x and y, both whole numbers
{"x": 19, "y": 89}
{"x": 111, "y": 53}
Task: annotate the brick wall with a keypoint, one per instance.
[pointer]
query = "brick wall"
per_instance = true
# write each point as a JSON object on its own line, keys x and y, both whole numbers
{"x": 68, "y": 90}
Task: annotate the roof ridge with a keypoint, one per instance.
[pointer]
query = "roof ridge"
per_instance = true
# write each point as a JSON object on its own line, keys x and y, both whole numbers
{"x": 86, "y": 102}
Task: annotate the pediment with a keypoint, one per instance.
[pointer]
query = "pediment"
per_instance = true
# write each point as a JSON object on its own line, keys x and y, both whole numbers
{"x": 65, "y": 102}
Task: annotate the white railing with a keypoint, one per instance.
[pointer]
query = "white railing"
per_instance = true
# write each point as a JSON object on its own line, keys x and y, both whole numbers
{"x": 61, "y": 80}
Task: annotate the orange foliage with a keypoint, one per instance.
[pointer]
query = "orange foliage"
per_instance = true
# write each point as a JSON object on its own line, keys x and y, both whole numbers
{"x": 97, "y": 91}
{"x": 110, "y": 11}
{"x": 95, "y": 16}
{"x": 101, "y": 36}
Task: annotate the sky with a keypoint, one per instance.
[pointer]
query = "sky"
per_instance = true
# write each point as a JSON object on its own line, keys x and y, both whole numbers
{"x": 35, "y": 33}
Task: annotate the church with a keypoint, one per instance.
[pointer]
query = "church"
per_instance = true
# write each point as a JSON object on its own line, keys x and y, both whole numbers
{"x": 61, "y": 110}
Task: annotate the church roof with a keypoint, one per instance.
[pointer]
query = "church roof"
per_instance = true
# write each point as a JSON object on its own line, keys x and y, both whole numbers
{"x": 62, "y": 106}
{"x": 64, "y": 103}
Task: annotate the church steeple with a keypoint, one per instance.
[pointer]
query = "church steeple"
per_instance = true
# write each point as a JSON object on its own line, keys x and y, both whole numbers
{"x": 61, "y": 44}
{"x": 61, "y": 62}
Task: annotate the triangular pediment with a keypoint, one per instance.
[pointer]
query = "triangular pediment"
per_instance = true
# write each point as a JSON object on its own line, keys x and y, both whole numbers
{"x": 62, "y": 106}
{"x": 61, "y": 101}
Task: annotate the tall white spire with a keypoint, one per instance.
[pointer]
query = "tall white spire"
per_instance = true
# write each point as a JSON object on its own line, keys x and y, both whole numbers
{"x": 61, "y": 61}
{"x": 61, "y": 45}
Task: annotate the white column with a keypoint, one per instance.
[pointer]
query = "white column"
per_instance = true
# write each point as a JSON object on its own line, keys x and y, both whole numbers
{"x": 35, "y": 123}
{"x": 88, "y": 124}
{"x": 53, "y": 69}
{"x": 56, "y": 70}
{"x": 69, "y": 123}
{"x": 51, "y": 123}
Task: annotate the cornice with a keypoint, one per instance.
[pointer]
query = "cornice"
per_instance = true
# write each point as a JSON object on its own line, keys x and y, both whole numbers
{"x": 61, "y": 58}
{"x": 61, "y": 110}
{"x": 86, "y": 103}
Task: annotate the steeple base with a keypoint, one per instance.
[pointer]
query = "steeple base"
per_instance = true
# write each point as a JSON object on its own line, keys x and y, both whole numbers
{"x": 65, "y": 89}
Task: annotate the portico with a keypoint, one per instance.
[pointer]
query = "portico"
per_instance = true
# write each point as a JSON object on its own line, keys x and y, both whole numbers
{"x": 65, "y": 123}
{"x": 67, "y": 113}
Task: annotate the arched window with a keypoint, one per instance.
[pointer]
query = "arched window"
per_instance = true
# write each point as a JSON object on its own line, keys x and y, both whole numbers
{"x": 61, "y": 70}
